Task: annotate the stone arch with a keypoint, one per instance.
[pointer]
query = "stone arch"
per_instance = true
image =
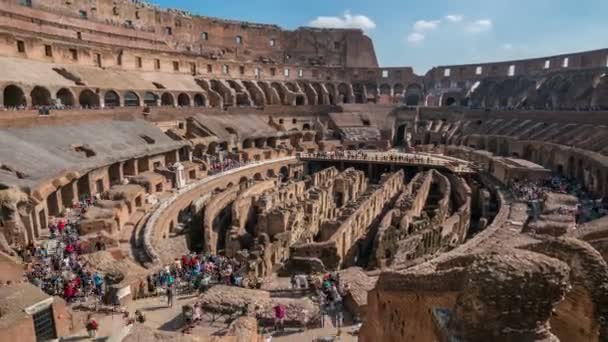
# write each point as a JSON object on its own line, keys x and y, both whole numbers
{"x": 277, "y": 87}
{"x": 331, "y": 93}
{"x": 257, "y": 94}
{"x": 111, "y": 99}
{"x": 88, "y": 99}
{"x": 371, "y": 90}
{"x": 257, "y": 176}
{"x": 212, "y": 148}
{"x": 343, "y": 93}
{"x": 248, "y": 143}
{"x": 313, "y": 95}
{"x": 225, "y": 92}
{"x": 40, "y": 96}
{"x": 385, "y": 89}
{"x": 183, "y": 100}
{"x": 270, "y": 173}
{"x": 199, "y": 100}
{"x": 150, "y": 99}
{"x": 292, "y": 87}
{"x": 166, "y": 99}
{"x": 398, "y": 89}
{"x": 359, "y": 91}
{"x": 14, "y": 96}
{"x": 300, "y": 100}
{"x": 272, "y": 95}
{"x": 131, "y": 99}
{"x": 413, "y": 94}
{"x": 65, "y": 96}
{"x": 284, "y": 173}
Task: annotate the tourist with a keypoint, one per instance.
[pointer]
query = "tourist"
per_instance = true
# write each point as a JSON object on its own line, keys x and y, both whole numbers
{"x": 280, "y": 312}
{"x": 92, "y": 326}
{"x": 170, "y": 295}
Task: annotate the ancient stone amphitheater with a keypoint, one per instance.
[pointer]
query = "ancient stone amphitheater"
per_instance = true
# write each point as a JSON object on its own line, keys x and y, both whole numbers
{"x": 466, "y": 204}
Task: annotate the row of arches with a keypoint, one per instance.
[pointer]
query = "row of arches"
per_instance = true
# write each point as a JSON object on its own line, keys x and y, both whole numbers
{"x": 15, "y": 96}
{"x": 243, "y": 93}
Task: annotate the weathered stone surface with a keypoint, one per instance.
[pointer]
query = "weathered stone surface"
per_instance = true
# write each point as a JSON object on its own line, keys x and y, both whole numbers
{"x": 229, "y": 299}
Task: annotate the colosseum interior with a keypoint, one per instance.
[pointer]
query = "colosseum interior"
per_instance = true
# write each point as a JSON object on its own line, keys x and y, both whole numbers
{"x": 245, "y": 169}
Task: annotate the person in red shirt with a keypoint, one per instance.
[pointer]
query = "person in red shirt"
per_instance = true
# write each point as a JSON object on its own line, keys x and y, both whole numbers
{"x": 92, "y": 326}
{"x": 280, "y": 312}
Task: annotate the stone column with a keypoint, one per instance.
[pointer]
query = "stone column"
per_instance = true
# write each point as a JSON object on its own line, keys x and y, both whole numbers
{"x": 180, "y": 177}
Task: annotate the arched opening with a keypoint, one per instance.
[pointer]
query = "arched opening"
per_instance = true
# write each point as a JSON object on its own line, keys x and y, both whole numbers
{"x": 450, "y": 101}
{"x": 248, "y": 143}
{"x": 111, "y": 99}
{"x": 306, "y": 127}
{"x": 398, "y": 89}
{"x": 131, "y": 99}
{"x": 212, "y": 148}
{"x": 183, "y": 100}
{"x": 270, "y": 173}
{"x": 372, "y": 92}
{"x": 300, "y": 100}
{"x": 359, "y": 93}
{"x": 343, "y": 92}
{"x": 40, "y": 96}
{"x": 279, "y": 91}
{"x": 166, "y": 99}
{"x": 385, "y": 89}
{"x": 88, "y": 99}
{"x": 291, "y": 87}
{"x": 65, "y": 97}
{"x": 13, "y": 96}
{"x": 413, "y": 95}
{"x": 150, "y": 99}
{"x": 199, "y": 100}
{"x": 401, "y": 135}
{"x": 412, "y": 100}
{"x": 284, "y": 174}
{"x": 243, "y": 182}
{"x": 257, "y": 176}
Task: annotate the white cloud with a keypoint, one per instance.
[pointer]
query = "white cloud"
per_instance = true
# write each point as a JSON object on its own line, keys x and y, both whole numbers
{"x": 424, "y": 25}
{"x": 415, "y": 38}
{"x": 507, "y": 46}
{"x": 346, "y": 21}
{"x": 455, "y": 18}
{"x": 481, "y": 25}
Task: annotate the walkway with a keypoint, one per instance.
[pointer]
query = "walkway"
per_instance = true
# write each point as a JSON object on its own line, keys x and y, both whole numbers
{"x": 394, "y": 158}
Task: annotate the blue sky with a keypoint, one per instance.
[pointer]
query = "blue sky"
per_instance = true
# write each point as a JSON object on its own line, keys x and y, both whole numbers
{"x": 426, "y": 33}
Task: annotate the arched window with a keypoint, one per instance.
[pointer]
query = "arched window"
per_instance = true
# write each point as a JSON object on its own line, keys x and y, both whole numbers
{"x": 150, "y": 99}
{"x": 199, "y": 100}
{"x": 166, "y": 99}
{"x": 65, "y": 97}
{"x": 183, "y": 100}
{"x": 111, "y": 99}
{"x": 13, "y": 96}
{"x": 88, "y": 99}
{"x": 40, "y": 96}
{"x": 131, "y": 99}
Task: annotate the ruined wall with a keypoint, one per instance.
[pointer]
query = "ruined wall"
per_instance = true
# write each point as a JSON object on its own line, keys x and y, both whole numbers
{"x": 212, "y": 230}
{"x": 353, "y": 224}
{"x": 394, "y": 229}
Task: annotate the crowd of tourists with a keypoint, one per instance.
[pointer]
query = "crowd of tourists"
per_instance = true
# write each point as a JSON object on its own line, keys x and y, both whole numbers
{"x": 361, "y": 155}
{"x": 329, "y": 291}
{"x": 589, "y": 207}
{"x": 57, "y": 266}
{"x": 193, "y": 272}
